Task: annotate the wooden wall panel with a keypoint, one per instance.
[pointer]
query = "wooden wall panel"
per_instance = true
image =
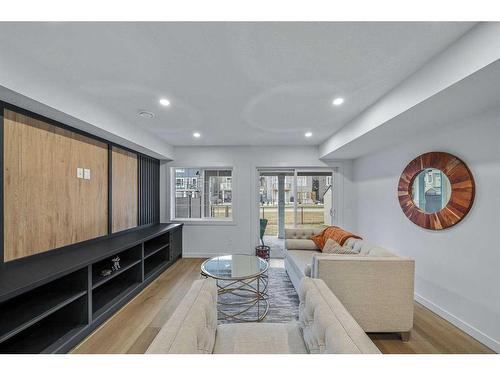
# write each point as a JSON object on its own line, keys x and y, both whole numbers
{"x": 45, "y": 205}
{"x": 124, "y": 190}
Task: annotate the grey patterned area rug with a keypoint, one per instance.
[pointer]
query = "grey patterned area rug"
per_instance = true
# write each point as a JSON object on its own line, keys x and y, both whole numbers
{"x": 283, "y": 300}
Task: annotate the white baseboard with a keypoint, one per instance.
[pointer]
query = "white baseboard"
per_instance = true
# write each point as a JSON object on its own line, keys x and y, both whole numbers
{"x": 464, "y": 326}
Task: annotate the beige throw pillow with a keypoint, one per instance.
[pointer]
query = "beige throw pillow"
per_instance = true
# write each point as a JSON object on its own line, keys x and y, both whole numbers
{"x": 332, "y": 247}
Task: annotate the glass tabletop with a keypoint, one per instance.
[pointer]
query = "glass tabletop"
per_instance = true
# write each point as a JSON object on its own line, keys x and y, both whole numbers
{"x": 231, "y": 267}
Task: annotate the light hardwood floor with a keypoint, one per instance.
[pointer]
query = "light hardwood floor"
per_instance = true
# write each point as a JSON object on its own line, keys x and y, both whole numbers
{"x": 132, "y": 329}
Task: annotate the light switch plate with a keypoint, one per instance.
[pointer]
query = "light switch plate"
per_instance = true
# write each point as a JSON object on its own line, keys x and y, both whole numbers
{"x": 86, "y": 174}
{"x": 79, "y": 172}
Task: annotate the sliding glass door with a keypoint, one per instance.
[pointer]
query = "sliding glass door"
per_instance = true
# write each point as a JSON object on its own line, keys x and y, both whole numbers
{"x": 276, "y": 194}
{"x": 314, "y": 199}
{"x": 295, "y": 198}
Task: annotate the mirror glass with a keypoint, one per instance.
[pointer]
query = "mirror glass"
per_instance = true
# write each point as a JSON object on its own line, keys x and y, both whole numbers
{"x": 431, "y": 190}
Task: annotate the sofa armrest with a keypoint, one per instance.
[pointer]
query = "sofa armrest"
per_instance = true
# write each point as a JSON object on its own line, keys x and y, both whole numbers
{"x": 377, "y": 291}
{"x": 192, "y": 327}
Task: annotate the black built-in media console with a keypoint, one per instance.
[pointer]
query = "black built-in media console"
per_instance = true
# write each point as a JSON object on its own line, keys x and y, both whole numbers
{"x": 49, "y": 303}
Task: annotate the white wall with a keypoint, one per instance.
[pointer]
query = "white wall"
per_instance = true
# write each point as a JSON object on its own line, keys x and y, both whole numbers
{"x": 457, "y": 269}
{"x": 205, "y": 240}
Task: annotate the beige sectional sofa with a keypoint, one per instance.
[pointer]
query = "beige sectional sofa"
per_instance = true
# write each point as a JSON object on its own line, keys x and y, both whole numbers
{"x": 374, "y": 285}
{"x": 324, "y": 327}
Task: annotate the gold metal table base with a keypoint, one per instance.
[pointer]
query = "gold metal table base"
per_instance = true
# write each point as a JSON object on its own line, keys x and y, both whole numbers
{"x": 251, "y": 292}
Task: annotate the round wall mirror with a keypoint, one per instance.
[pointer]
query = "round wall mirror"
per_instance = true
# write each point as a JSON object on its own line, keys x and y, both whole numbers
{"x": 436, "y": 190}
{"x": 431, "y": 190}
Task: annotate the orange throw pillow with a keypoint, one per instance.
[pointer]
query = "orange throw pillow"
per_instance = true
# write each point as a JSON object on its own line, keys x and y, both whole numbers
{"x": 335, "y": 233}
{"x": 319, "y": 240}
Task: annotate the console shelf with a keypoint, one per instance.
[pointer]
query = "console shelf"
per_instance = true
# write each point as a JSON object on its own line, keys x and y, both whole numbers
{"x": 152, "y": 269}
{"x": 156, "y": 261}
{"x": 43, "y": 339}
{"x": 49, "y": 331}
{"x": 128, "y": 259}
{"x": 156, "y": 244}
{"x": 109, "y": 293}
{"x": 98, "y": 280}
{"x": 26, "y": 310}
{"x": 148, "y": 253}
{"x": 49, "y": 303}
{"x": 26, "y": 314}
{"x": 116, "y": 294}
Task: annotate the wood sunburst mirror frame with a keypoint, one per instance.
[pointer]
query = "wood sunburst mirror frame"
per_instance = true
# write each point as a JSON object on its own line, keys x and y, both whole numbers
{"x": 462, "y": 190}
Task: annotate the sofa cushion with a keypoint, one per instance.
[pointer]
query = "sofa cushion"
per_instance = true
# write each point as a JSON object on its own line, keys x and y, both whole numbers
{"x": 332, "y": 247}
{"x": 301, "y": 233}
{"x": 259, "y": 338}
{"x": 300, "y": 244}
{"x": 191, "y": 328}
{"x": 300, "y": 259}
{"x": 326, "y": 325}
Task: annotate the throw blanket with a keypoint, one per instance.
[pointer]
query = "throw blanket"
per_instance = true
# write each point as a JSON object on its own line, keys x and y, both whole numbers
{"x": 335, "y": 233}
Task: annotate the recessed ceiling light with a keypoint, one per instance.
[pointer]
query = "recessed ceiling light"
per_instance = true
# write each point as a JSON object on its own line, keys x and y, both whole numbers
{"x": 308, "y": 134}
{"x": 165, "y": 102}
{"x": 146, "y": 114}
{"x": 196, "y": 135}
{"x": 338, "y": 101}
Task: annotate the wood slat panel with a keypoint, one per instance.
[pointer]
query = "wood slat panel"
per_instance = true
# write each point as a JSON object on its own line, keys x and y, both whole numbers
{"x": 149, "y": 197}
{"x": 45, "y": 205}
{"x": 124, "y": 186}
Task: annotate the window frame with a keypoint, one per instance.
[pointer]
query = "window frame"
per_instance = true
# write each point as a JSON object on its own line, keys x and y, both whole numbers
{"x": 203, "y": 220}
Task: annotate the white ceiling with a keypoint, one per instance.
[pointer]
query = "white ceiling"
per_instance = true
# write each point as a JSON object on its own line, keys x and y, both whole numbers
{"x": 476, "y": 95}
{"x": 236, "y": 83}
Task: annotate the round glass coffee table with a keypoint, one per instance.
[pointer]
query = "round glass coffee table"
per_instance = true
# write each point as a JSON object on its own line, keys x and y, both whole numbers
{"x": 242, "y": 286}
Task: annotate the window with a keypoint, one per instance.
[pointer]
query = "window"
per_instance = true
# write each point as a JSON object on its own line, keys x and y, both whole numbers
{"x": 202, "y": 193}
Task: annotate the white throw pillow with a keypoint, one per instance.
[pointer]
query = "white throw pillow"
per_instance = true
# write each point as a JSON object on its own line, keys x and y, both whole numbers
{"x": 333, "y": 247}
{"x": 356, "y": 247}
{"x": 354, "y": 244}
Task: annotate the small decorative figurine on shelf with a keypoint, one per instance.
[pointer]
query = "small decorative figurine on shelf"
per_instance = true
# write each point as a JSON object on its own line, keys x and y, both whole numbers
{"x": 105, "y": 272}
{"x": 116, "y": 263}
